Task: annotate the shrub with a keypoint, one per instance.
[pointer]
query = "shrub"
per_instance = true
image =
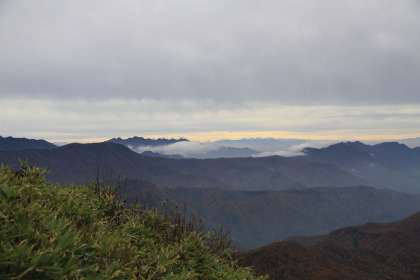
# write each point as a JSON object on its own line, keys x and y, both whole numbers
{"x": 88, "y": 232}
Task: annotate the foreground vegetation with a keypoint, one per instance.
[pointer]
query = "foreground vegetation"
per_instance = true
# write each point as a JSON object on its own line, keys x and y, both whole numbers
{"x": 88, "y": 232}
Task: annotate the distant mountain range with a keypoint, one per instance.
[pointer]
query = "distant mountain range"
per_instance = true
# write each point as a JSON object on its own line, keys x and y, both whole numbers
{"x": 390, "y": 164}
{"x": 262, "y": 199}
{"x": 371, "y": 251}
{"x": 77, "y": 162}
{"x": 10, "y": 144}
{"x": 181, "y": 148}
{"x": 136, "y": 141}
{"x": 386, "y": 165}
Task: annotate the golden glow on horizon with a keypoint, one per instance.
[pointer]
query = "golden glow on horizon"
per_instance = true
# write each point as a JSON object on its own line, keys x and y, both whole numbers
{"x": 344, "y": 135}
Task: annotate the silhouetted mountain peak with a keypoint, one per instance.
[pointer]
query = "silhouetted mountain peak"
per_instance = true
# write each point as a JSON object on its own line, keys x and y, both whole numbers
{"x": 391, "y": 147}
{"x": 358, "y": 148}
{"x": 11, "y": 143}
{"x": 344, "y": 151}
{"x": 103, "y": 147}
{"x": 349, "y": 146}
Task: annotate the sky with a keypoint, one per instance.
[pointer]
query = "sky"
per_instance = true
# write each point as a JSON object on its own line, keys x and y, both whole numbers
{"x": 86, "y": 70}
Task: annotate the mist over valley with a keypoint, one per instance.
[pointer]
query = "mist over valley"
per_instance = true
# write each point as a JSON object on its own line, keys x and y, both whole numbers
{"x": 258, "y": 199}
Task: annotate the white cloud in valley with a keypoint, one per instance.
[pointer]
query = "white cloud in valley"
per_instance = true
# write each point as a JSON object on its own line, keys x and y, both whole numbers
{"x": 184, "y": 148}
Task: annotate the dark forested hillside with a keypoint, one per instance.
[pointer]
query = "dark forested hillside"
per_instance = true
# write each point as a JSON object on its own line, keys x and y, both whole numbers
{"x": 256, "y": 218}
{"x": 371, "y": 251}
{"x": 11, "y": 143}
{"x": 383, "y": 238}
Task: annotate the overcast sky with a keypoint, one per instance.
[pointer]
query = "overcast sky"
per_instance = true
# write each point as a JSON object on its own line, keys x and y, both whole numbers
{"x": 205, "y": 70}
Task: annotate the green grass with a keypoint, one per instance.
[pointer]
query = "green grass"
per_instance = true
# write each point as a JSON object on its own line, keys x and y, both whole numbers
{"x": 88, "y": 232}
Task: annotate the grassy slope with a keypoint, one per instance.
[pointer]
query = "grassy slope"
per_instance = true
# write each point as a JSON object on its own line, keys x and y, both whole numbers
{"x": 75, "y": 232}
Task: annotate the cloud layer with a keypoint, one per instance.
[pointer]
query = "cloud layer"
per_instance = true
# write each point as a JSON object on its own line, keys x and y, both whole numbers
{"x": 135, "y": 67}
{"x": 292, "y": 52}
{"x": 83, "y": 119}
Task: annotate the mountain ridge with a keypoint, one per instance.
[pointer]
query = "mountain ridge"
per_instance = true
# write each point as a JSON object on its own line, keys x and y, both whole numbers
{"x": 387, "y": 164}
{"x": 319, "y": 167}
{"x": 256, "y": 218}
{"x": 253, "y": 183}
{"x": 73, "y": 162}
{"x": 10, "y": 143}
{"x": 367, "y": 252}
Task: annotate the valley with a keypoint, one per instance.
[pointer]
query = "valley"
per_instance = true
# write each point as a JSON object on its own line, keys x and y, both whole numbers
{"x": 263, "y": 200}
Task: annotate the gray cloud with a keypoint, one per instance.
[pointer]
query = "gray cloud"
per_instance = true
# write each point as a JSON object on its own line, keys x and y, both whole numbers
{"x": 289, "y": 52}
{"x": 101, "y": 68}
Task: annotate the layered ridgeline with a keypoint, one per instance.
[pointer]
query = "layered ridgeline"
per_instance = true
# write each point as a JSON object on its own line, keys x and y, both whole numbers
{"x": 87, "y": 232}
{"x": 386, "y": 165}
{"x": 256, "y": 218}
{"x": 260, "y": 200}
{"x": 390, "y": 165}
{"x": 367, "y": 252}
{"x": 78, "y": 162}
